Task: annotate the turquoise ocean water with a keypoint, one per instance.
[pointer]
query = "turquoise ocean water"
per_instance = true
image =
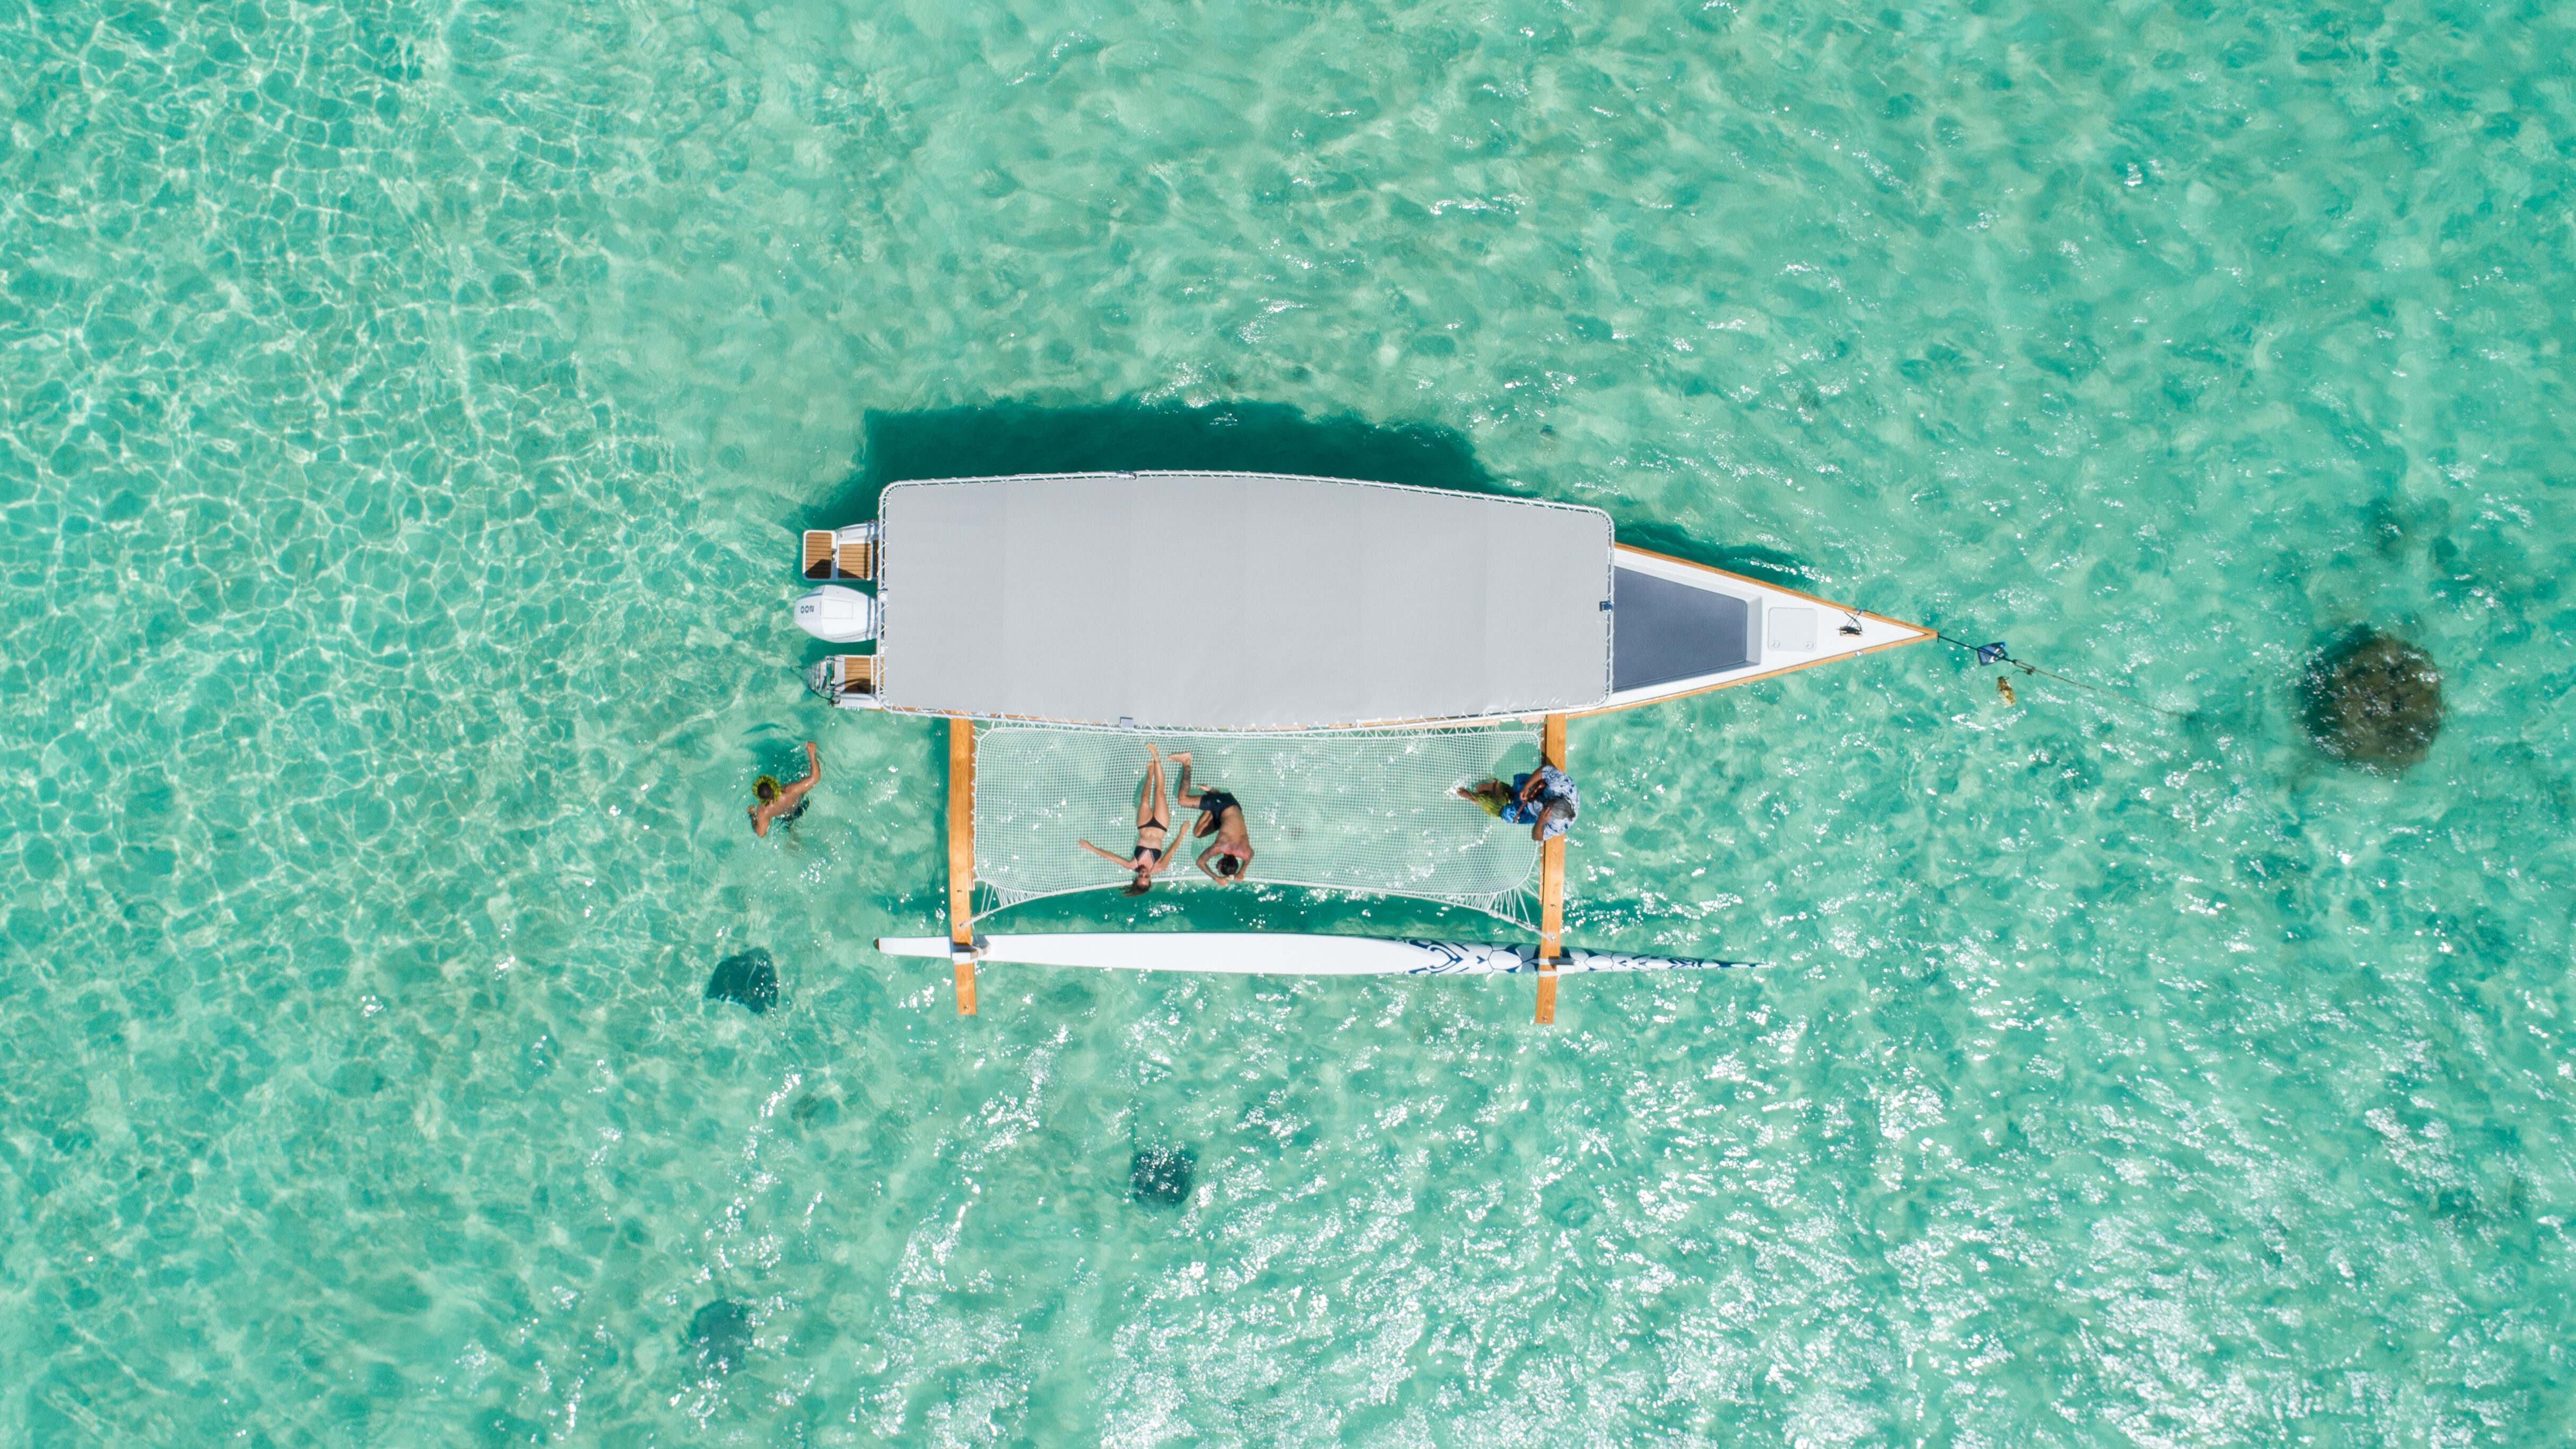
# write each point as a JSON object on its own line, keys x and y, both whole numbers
{"x": 405, "y": 413}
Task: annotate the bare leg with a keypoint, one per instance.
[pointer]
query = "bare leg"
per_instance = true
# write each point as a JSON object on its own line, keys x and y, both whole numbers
{"x": 1188, "y": 797}
{"x": 1151, "y": 808}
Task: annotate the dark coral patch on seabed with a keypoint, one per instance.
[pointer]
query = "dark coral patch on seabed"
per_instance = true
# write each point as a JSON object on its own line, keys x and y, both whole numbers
{"x": 2372, "y": 700}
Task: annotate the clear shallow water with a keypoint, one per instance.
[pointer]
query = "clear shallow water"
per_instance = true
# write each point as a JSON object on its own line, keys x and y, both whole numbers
{"x": 406, "y": 414}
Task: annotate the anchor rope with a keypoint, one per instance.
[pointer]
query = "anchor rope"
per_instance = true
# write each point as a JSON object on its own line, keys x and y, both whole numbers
{"x": 1995, "y": 653}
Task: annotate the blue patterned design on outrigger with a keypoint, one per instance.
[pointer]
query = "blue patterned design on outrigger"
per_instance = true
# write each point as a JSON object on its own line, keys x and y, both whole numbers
{"x": 1470, "y": 958}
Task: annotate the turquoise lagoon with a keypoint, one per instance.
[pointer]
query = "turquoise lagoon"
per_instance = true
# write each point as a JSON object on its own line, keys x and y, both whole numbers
{"x": 405, "y": 413}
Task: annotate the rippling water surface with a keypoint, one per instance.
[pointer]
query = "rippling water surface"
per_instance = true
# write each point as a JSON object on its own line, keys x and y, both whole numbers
{"x": 404, "y": 418}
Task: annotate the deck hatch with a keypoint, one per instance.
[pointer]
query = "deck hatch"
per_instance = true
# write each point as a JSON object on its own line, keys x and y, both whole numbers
{"x": 1668, "y": 631}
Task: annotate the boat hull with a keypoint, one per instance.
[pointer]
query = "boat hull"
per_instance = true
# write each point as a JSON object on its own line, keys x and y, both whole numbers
{"x": 1251, "y": 602}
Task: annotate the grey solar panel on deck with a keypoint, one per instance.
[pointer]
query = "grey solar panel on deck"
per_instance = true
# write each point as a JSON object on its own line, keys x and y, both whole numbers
{"x": 1670, "y": 631}
{"x": 1237, "y": 601}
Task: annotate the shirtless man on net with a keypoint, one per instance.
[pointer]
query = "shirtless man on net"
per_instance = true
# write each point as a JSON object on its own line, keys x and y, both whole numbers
{"x": 1220, "y": 815}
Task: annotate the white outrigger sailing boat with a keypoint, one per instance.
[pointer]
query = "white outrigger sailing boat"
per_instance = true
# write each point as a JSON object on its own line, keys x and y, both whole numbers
{"x": 1292, "y": 629}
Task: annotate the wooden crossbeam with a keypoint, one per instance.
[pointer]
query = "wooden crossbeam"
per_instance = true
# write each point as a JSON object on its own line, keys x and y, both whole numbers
{"x": 1551, "y": 882}
{"x": 961, "y": 859}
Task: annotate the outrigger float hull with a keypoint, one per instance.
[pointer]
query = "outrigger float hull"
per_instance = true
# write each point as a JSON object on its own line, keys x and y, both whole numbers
{"x": 1264, "y": 953}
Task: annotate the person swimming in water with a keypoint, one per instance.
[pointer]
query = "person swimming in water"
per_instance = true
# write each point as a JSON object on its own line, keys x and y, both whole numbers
{"x": 1220, "y": 815}
{"x": 781, "y": 805}
{"x": 1153, "y": 830}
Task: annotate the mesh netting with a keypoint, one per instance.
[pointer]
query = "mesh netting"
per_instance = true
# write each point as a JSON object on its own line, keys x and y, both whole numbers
{"x": 1346, "y": 811}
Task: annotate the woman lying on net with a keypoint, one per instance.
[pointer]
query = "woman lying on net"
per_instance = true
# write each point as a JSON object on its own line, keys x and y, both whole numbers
{"x": 1153, "y": 831}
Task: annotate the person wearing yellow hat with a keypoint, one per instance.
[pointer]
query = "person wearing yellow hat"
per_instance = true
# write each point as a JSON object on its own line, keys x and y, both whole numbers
{"x": 777, "y": 804}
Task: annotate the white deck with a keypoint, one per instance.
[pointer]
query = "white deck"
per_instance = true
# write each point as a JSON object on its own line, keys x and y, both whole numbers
{"x": 1237, "y": 601}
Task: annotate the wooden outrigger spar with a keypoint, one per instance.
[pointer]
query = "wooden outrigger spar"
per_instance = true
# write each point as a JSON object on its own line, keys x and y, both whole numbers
{"x": 1314, "y": 604}
{"x": 961, "y": 859}
{"x": 1551, "y": 888}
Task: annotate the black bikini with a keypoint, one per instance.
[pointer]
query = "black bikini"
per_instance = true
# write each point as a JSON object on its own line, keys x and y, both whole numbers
{"x": 1155, "y": 851}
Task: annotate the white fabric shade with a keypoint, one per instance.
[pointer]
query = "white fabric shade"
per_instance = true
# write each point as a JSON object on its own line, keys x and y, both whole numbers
{"x": 1237, "y": 601}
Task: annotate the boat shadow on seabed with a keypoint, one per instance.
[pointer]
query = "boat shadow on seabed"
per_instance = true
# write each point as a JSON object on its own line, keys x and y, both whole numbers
{"x": 1006, "y": 438}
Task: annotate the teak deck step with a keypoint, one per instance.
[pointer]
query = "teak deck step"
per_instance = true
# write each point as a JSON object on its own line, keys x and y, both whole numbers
{"x": 857, "y": 673}
{"x": 825, "y": 558}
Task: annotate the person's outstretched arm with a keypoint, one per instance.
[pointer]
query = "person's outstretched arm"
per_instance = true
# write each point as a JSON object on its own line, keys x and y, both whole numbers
{"x": 1556, "y": 810}
{"x": 813, "y": 777}
{"x": 1120, "y": 861}
{"x": 1203, "y": 865}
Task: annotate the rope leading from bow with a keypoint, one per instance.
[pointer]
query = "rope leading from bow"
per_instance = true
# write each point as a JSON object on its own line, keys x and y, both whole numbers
{"x": 1996, "y": 653}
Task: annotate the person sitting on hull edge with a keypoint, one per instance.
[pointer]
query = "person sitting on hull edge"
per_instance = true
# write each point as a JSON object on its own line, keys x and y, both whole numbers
{"x": 1544, "y": 800}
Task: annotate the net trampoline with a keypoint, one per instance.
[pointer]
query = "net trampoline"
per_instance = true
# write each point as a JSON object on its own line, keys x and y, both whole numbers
{"x": 1344, "y": 811}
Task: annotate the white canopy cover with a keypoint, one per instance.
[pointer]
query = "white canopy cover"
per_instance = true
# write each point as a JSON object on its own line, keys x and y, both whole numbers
{"x": 1219, "y": 601}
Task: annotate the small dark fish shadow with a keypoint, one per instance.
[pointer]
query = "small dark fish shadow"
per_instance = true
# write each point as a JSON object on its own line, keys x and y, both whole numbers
{"x": 749, "y": 979}
{"x": 1161, "y": 1176}
{"x": 720, "y": 1337}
